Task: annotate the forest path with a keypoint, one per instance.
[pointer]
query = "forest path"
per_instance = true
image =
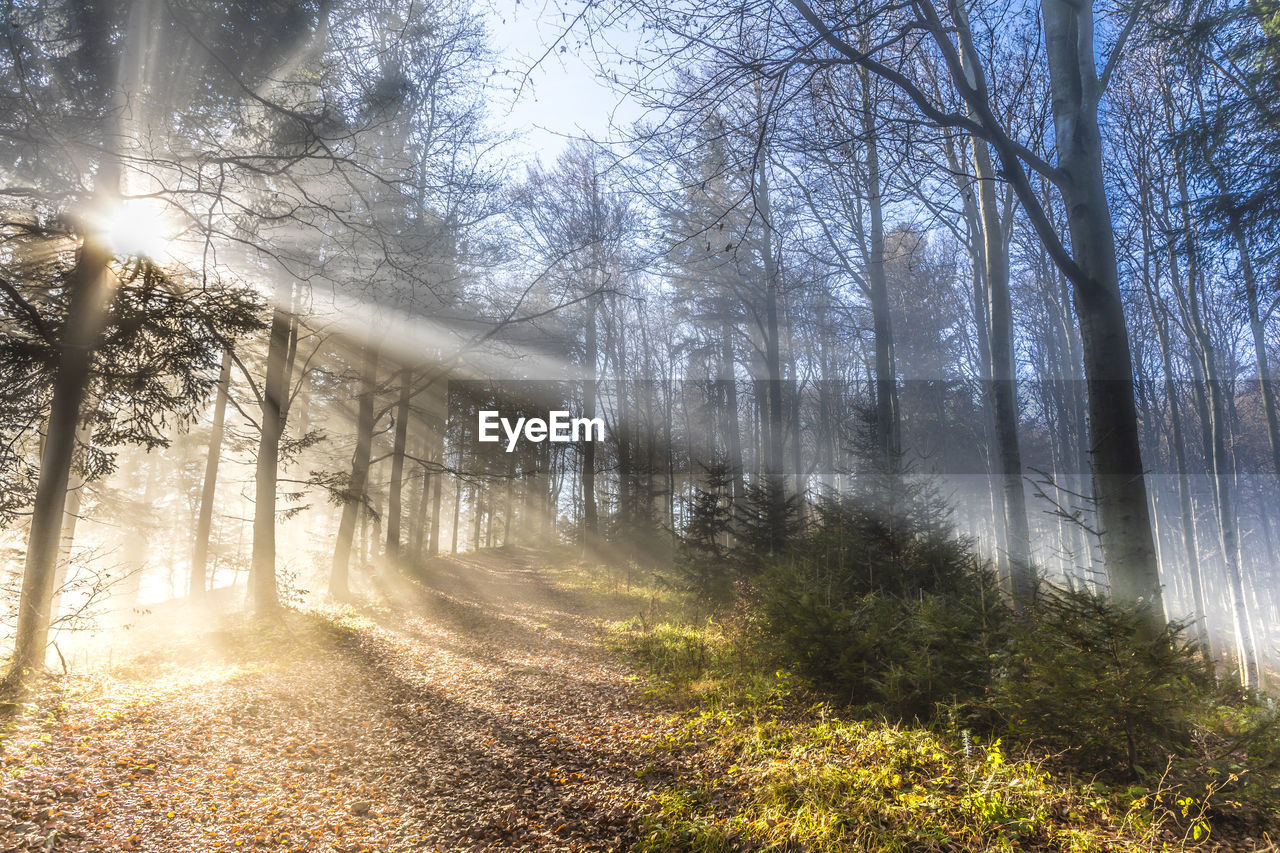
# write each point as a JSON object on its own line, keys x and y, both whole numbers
{"x": 477, "y": 713}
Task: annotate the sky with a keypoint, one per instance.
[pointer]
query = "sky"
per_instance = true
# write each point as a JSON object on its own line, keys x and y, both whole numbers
{"x": 548, "y": 98}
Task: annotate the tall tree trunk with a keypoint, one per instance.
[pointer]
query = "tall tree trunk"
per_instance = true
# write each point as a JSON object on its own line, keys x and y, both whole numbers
{"x": 422, "y": 512}
{"x": 887, "y": 427}
{"x": 1249, "y": 278}
{"x": 437, "y": 415}
{"x": 1119, "y": 480}
{"x": 1189, "y": 543}
{"x": 669, "y": 450}
{"x": 1004, "y": 387}
{"x": 71, "y": 516}
{"x": 508, "y": 505}
{"x": 1089, "y": 545}
{"x": 797, "y": 436}
{"x": 356, "y": 502}
{"x": 204, "y": 520}
{"x": 433, "y": 540}
{"x": 395, "y": 488}
{"x": 530, "y": 494}
{"x": 729, "y": 412}
{"x": 262, "y": 569}
{"x": 1160, "y": 317}
{"x": 90, "y": 287}
{"x": 1228, "y": 527}
{"x": 980, "y": 306}
{"x": 590, "y": 515}
{"x": 623, "y": 429}
{"x": 457, "y": 511}
{"x": 773, "y": 442}
{"x": 1213, "y": 415}
{"x": 1261, "y": 361}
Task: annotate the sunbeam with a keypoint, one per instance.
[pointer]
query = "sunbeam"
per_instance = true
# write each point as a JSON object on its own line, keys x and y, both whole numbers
{"x": 635, "y": 425}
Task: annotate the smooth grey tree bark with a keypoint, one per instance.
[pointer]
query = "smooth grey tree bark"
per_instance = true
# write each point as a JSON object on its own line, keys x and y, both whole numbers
{"x": 1119, "y": 479}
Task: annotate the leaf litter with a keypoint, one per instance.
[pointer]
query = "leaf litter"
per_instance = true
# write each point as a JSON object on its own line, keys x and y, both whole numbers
{"x": 478, "y": 712}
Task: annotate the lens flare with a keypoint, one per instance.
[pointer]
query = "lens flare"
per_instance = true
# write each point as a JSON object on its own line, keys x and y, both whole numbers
{"x": 138, "y": 227}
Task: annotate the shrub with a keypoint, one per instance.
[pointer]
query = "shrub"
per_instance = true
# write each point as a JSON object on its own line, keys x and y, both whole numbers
{"x": 889, "y": 613}
{"x": 1089, "y": 677}
{"x": 894, "y": 615}
{"x": 768, "y": 521}
{"x": 702, "y": 564}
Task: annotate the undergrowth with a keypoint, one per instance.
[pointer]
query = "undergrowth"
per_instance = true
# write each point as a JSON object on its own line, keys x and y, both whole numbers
{"x": 771, "y": 766}
{"x": 1019, "y": 754}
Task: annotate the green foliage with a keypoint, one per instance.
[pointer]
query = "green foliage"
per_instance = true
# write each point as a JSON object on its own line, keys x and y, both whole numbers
{"x": 894, "y": 617}
{"x": 152, "y": 370}
{"x": 767, "y": 523}
{"x": 776, "y": 772}
{"x": 1235, "y": 759}
{"x": 1229, "y": 142}
{"x": 702, "y": 565}
{"x": 886, "y": 613}
{"x": 1095, "y": 680}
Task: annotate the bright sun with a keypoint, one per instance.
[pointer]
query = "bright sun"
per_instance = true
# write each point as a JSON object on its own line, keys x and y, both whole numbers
{"x": 138, "y": 227}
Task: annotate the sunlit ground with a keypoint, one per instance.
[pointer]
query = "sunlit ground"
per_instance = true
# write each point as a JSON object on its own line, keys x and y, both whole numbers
{"x": 507, "y": 699}
{"x": 428, "y": 720}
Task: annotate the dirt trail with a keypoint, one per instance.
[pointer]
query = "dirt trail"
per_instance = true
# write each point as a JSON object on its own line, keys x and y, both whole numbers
{"x": 477, "y": 713}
